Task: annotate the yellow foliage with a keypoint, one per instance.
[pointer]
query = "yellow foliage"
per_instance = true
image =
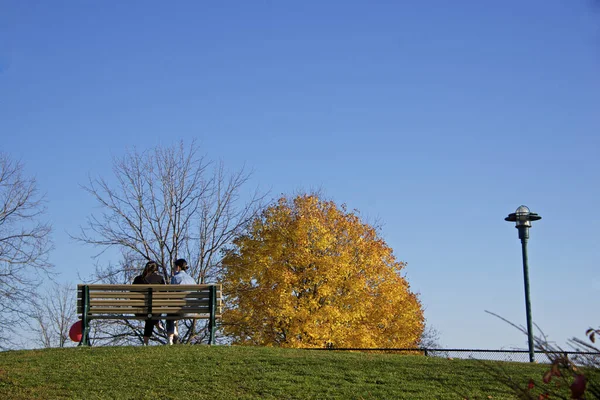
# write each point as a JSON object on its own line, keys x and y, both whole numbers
{"x": 310, "y": 274}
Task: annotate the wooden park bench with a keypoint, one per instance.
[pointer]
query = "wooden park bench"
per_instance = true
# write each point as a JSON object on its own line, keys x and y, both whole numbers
{"x": 154, "y": 302}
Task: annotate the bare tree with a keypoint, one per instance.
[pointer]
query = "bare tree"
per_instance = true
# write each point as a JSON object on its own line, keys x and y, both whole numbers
{"x": 165, "y": 204}
{"x": 430, "y": 338}
{"x": 54, "y": 315}
{"x": 24, "y": 246}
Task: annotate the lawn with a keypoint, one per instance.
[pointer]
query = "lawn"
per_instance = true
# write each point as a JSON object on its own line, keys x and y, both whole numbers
{"x": 233, "y": 372}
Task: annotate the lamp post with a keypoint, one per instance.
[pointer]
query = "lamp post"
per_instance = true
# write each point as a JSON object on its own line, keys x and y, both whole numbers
{"x": 523, "y": 217}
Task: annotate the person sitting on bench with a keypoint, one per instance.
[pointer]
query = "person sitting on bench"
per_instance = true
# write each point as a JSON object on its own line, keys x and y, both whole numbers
{"x": 150, "y": 276}
{"x": 180, "y": 277}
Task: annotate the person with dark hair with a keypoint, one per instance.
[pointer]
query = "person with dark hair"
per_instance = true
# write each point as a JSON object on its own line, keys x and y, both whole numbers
{"x": 149, "y": 276}
{"x": 180, "y": 277}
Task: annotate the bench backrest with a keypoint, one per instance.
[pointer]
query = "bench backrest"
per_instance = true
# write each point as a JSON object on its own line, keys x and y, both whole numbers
{"x": 149, "y": 301}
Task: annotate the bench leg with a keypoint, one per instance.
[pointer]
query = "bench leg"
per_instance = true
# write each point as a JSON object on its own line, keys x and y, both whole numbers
{"x": 213, "y": 310}
{"x": 85, "y": 322}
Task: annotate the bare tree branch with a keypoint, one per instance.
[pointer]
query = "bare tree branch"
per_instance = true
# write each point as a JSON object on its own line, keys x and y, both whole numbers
{"x": 54, "y": 315}
{"x": 24, "y": 246}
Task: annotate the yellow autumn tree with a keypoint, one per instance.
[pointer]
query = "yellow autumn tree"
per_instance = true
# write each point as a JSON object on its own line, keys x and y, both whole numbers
{"x": 307, "y": 273}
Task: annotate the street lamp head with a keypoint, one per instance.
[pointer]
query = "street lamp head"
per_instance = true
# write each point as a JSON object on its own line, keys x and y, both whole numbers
{"x": 522, "y": 217}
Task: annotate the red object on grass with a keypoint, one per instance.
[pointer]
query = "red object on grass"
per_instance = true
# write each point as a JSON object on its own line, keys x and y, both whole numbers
{"x": 75, "y": 331}
{"x": 578, "y": 387}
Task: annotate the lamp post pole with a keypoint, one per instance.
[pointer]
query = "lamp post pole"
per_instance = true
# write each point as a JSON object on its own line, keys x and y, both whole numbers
{"x": 524, "y": 236}
{"x": 523, "y": 218}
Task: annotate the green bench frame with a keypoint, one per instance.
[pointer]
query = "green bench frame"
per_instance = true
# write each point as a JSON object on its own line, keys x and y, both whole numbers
{"x": 153, "y": 302}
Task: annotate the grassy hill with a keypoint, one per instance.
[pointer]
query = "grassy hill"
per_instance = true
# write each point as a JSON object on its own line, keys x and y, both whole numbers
{"x": 224, "y": 372}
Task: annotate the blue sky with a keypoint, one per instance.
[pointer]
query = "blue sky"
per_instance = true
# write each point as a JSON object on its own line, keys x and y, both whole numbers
{"x": 438, "y": 118}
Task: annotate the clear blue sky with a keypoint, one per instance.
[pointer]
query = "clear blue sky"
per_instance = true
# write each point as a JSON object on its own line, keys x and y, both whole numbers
{"x": 439, "y": 118}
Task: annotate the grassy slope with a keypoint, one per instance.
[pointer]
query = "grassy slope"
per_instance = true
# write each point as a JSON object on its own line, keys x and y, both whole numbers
{"x": 223, "y": 372}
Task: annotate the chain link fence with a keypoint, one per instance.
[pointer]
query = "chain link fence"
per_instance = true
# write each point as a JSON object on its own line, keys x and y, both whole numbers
{"x": 577, "y": 357}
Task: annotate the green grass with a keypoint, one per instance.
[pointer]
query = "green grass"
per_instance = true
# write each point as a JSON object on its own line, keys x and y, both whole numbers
{"x": 225, "y": 372}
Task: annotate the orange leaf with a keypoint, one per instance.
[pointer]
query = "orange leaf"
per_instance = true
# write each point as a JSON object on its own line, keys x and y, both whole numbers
{"x": 547, "y": 376}
{"x": 531, "y": 384}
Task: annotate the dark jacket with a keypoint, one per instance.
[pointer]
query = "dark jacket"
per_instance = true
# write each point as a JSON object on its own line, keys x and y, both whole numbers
{"x": 149, "y": 280}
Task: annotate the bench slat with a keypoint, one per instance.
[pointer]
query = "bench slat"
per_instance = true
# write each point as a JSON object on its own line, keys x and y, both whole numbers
{"x": 128, "y": 307}
{"x": 141, "y": 302}
{"x": 155, "y": 295}
{"x": 144, "y": 310}
{"x": 183, "y": 295}
{"x": 156, "y": 317}
{"x": 155, "y": 302}
{"x": 116, "y": 295}
{"x": 117, "y": 303}
{"x": 139, "y": 288}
